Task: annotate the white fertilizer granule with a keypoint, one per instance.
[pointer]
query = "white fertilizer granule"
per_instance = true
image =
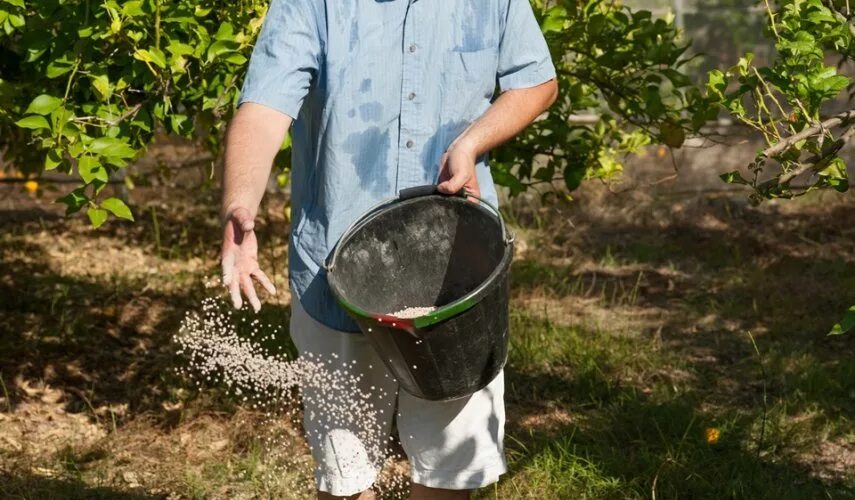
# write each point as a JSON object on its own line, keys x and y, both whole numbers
{"x": 224, "y": 348}
{"x": 414, "y": 312}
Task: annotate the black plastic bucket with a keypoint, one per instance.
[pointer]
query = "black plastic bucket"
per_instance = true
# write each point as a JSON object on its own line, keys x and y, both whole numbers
{"x": 428, "y": 249}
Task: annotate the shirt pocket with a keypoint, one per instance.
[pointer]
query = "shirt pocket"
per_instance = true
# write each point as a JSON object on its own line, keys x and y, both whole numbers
{"x": 473, "y": 65}
{"x": 468, "y": 83}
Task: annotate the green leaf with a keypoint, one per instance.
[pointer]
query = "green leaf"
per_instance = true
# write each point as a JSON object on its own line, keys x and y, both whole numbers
{"x": 59, "y": 66}
{"x": 97, "y": 216}
{"x": 152, "y": 55}
{"x": 505, "y": 178}
{"x": 545, "y": 173}
{"x": 180, "y": 49}
{"x": 744, "y": 63}
{"x": 53, "y": 159}
{"x": 236, "y": 58}
{"x": 717, "y": 82}
{"x": 573, "y": 176}
{"x": 225, "y": 32}
{"x": 159, "y": 110}
{"x": 74, "y": 200}
{"x": 34, "y": 122}
{"x": 846, "y": 324}
{"x": 133, "y": 9}
{"x": 43, "y": 105}
{"x": 839, "y": 185}
{"x": 836, "y": 168}
{"x": 653, "y": 101}
{"x": 834, "y": 84}
{"x": 820, "y": 16}
{"x": 733, "y": 178}
{"x": 16, "y": 3}
{"x": 802, "y": 43}
{"x": 111, "y": 147}
{"x": 221, "y": 47}
{"x": 210, "y": 103}
{"x": 179, "y": 124}
{"x": 101, "y": 84}
{"x": 554, "y": 20}
{"x": 90, "y": 169}
{"x": 142, "y": 120}
{"x": 118, "y": 208}
{"x": 17, "y": 20}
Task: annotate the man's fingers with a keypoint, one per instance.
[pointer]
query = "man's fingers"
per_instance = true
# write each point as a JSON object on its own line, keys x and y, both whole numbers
{"x": 234, "y": 291}
{"x": 228, "y": 266}
{"x": 264, "y": 280}
{"x": 249, "y": 291}
{"x": 454, "y": 184}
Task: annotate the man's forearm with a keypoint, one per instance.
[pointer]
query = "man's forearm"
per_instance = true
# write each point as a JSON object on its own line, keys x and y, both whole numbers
{"x": 252, "y": 141}
{"x": 509, "y": 115}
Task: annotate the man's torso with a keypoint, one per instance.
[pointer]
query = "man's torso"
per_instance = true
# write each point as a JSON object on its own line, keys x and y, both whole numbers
{"x": 397, "y": 83}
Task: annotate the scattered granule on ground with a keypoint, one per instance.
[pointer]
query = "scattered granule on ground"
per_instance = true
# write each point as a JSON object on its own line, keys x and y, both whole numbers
{"x": 414, "y": 312}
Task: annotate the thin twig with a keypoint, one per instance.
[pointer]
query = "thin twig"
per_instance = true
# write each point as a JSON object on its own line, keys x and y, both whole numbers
{"x": 769, "y": 93}
{"x": 772, "y": 19}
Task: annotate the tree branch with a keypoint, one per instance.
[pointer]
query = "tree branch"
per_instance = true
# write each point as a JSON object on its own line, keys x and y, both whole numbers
{"x": 834, "y": 121}
{"x": 815, "y": 162}
{"x": 578, "y": 119}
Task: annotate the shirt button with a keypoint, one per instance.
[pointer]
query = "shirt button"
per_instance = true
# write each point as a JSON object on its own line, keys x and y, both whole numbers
{"x": 413, "y": 48}
{"x": 411, "y": 96}
{"x": 410, "y": 143}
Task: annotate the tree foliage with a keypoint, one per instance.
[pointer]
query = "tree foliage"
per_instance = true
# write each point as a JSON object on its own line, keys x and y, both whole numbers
{"x": 622, "y": 88}
{"x": 785, "y": 101}
{"x": 85, "y": 85}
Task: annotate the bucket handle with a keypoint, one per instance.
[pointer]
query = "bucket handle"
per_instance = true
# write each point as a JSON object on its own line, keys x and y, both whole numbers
{"x": 415, "y": 192}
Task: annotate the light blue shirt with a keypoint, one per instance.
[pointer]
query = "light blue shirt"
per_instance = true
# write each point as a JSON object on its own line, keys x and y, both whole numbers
{"x": 378, "y": 90}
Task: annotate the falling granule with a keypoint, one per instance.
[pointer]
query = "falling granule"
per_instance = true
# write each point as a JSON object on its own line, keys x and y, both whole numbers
{"x": 413, "y": 312}
{"x": 218, "y": 349}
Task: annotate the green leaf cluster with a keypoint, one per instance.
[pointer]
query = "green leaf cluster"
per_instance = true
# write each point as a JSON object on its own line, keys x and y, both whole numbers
{"x": 622, "y": 87}
{"x": 787, "y": 98}
{"x": 86, "y": 85}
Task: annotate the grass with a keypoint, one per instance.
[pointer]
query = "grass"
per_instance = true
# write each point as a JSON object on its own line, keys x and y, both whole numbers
{"x": 636, "y": 425}
{"x": 635, "y": 333}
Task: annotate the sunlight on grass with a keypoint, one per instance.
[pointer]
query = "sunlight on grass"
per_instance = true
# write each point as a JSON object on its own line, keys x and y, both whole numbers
{"x": 636, "y": 424}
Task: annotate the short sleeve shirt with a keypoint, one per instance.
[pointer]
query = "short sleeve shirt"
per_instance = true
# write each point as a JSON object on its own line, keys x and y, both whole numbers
{"x": 378, "y": 90}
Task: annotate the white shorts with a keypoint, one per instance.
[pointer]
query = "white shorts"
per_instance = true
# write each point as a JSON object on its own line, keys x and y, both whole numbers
{"x": 453, "y": 445}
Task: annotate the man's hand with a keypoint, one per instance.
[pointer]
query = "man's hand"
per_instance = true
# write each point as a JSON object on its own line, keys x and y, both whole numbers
{"x": 511, "y": 112}
{"x": 240, "y": 259}
{"x": 457, "y": 170}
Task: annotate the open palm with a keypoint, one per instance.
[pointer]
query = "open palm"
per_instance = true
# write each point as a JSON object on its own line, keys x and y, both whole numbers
{"x": 239, "y": 258}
